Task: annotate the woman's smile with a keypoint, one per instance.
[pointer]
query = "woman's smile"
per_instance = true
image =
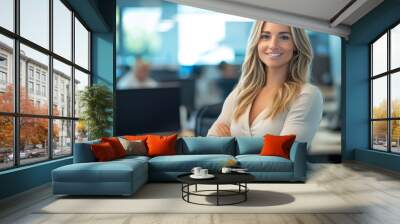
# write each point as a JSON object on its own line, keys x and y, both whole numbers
{"x": 274, "y": 55}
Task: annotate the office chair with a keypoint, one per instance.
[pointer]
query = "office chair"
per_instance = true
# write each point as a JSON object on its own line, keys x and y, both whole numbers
{"x": 205, "y": 117}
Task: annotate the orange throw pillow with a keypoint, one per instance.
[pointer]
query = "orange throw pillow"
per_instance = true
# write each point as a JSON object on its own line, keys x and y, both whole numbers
{"x": 277, "y": 145}
{"x": 161, "y": 145}
{"x": 103, "y": 151}
{"x": 116, "y": 145}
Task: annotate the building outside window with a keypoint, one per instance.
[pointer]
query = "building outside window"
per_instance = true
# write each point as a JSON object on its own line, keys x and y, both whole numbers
{"x": 55, "y": 95}
{"x": 37, "y": 75}
{"x": 3, "y": 79}
{"x": 30, "y": 87}
{"x": 30, "y": 72}
{"x": 43, "y": 78}
{"x": 43, "y": 90}
{"x": 3, "y": 61}
{"x": 38, "y": 89}
{"x": 3, "y": 72}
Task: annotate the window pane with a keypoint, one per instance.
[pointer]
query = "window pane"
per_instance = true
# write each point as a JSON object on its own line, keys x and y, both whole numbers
{"x": 6, "y": 142}
{"x": 81, "y": 45}
{"x": 34, "y": 97}
{"x": 395, "y": 47}
{"x": 62, "y": 138}
{"x": 379, "y": 135}
{"x": 379, "y": 97}
{"x": 35, "y": 21}
{"x": 81, "y": 131}
{"x": 81, "y": 81}
{"x": 395, "y": 94}
{"x": 379, "y": 55}
{"x": 6, "y": 74}
{"x": 395, "y": 138}
{"x": 62, "y": 29}
{"x": 7, "y": 14}
{"x": 33, "y": 139}
{"x": 62, "y": 89}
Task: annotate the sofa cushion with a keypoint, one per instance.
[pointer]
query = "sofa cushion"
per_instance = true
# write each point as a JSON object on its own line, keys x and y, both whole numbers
{"x": 93, "y": 172}
{"x": 83, "y": 152}
{"x": 111, "y": 171}
{"x": 249, "y": 145}
{"x": 131, "y": 158}
{"x": 103, "y": 151}
{"x": 136, "y": 138}
{"x": 275, "y": 145}
{"x": 134, "y": 147}
{"x": 257, "y": 163}
{"x": 185, "y": 163}
{"x": 161, "y": 145}
{"x": 116, "y": 145}
{"x": 206, "y": 145}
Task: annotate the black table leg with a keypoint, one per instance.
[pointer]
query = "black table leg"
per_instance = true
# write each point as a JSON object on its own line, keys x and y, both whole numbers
{"x": 217, "y": 194}
{"x": 182, "y": 190}
{"x": 188, "y": 189}
{"x": 245, "y": 193}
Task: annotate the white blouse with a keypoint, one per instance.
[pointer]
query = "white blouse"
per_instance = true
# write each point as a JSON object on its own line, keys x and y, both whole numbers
{"x": 302, "y": 118}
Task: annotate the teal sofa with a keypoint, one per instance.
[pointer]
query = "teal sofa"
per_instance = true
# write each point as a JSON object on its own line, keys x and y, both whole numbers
{"x": 125, "y": 176}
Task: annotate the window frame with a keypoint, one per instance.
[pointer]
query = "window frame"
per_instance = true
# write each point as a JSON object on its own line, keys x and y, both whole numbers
{"x": 16, "y": 114}
{"x": 3, "y": 77}
{"x": 388, "y": 74}
{"x": 5, "y": 59}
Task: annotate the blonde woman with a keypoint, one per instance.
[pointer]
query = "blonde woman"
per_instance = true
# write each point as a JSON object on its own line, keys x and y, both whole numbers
{"x": 272, "y": 96}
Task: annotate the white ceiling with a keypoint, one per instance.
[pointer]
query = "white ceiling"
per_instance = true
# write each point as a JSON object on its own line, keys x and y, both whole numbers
{"x": 319, "y": 15}
{"x": 324, "y": 9}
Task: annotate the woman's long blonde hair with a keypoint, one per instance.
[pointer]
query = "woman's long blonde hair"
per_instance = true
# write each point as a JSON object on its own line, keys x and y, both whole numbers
{"x": 253, "y": 77}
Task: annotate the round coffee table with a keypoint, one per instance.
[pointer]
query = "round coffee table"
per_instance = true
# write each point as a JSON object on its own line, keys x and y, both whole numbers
{"x": 238, "y": 179}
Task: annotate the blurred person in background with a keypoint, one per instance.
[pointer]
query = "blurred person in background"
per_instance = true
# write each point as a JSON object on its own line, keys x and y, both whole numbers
{"x": 228, "y": 78}
{"x": 137, "y": 77}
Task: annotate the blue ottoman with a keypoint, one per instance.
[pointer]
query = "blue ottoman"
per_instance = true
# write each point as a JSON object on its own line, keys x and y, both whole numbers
{"x": 118, "y": 177}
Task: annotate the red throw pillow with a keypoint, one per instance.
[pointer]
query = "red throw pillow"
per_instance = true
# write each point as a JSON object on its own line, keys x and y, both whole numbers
{"x": 161, "y": 145}
{"x": 103, "y": 151}
{"x": 277, "y": 145}
{"x": 116, "y": 145}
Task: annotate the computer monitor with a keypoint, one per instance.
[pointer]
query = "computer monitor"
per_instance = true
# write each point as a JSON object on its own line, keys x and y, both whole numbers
{"x": 147, "y": 110}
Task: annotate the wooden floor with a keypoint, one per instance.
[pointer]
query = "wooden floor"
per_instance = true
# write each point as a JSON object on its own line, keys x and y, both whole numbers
{"x": 377, "y": 188}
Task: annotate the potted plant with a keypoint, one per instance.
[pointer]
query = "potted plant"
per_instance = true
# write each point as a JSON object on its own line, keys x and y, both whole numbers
{"x": 96, "y": 102}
